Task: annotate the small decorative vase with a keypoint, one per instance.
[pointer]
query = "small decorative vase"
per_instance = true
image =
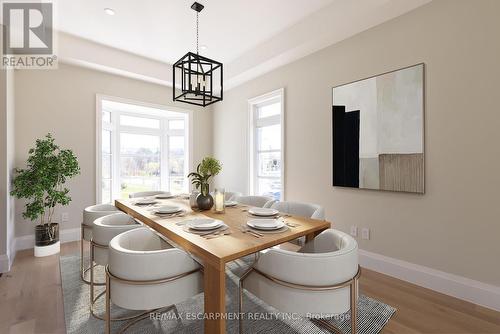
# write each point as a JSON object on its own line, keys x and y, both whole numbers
{"x": 204, "y": 200}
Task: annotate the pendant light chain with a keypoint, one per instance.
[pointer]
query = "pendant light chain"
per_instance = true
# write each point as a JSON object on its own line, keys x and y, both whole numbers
{"x": 197, "y": 34}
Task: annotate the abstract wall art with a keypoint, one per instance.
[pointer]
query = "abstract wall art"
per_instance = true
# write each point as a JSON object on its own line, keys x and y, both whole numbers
{"x": 378, "y": 132}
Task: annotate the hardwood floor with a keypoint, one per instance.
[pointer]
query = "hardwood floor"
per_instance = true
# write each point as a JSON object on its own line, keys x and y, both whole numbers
{"x": 31, "y": 301}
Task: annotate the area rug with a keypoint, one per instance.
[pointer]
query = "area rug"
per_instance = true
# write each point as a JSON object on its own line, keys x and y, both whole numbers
{"x": 372, "y": 317}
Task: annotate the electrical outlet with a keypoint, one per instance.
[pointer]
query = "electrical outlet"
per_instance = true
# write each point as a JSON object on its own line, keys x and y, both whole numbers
{"x": 64, "y": 217}
{"x": 365, "y": 233}
{"x": 354, "y": 230}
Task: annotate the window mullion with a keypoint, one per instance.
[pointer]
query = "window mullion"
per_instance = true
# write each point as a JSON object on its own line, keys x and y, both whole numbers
{"x": 115, "y": 153}
{"x": 165, "y": 156}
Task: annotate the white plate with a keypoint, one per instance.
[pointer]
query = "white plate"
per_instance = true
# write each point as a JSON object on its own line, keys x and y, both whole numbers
{"x": 230, "y": 203}
{"x": 203, "y": 224}
{"x": 164, "y": 196}
{"x": 266, "y": 224}
{"x": 145, "y": 201}
{"x": 165, "y": 209}
{"x": 263, "y": 212}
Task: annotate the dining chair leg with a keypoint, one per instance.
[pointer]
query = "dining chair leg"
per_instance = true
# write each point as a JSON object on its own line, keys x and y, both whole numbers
{"x": 108, "y": 305}
{"x": 91, "y": 275}
{"x": 82, "y": 265}
{"x": 322, "y": 323}
{"x": 354, "y": 305}
{"x": 240, "y": 307}
{"x": 176, "y": 312}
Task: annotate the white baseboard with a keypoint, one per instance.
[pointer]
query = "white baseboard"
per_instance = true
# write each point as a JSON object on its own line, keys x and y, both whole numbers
{"x": 4, "y": 263}
{"x": 473, "y": 291}
{"x": 28, "y": 241}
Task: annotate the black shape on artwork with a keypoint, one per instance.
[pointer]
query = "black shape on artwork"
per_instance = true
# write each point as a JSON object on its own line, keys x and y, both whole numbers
{"x": 345, "y": 147}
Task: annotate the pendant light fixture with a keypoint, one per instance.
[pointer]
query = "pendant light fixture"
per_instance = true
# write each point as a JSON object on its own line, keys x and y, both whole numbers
{"x": 197, "y": 79}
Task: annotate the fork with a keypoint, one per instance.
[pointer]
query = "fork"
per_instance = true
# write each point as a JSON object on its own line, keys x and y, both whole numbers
{"x": 255, "y": 234}
{"x": 170, "y": 216}
{"x": 205, "y": 234}
{"x": 217, "y": 234}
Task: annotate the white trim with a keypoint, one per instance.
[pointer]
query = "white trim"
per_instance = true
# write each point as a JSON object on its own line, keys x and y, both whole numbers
{"x": 467, "y": 289}
{"x": 28, "y": 241}
{"x": 13, "y": 251}
{"x": 252, "y": 103}
{"x": 5, "y": 263}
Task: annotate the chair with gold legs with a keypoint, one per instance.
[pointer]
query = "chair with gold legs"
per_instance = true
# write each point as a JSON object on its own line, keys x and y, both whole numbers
{"x": 90, "y": 214}
{"x": 147, "y": 273}
{"x": 105, "y": 229}
{"x": 319, "y": 281}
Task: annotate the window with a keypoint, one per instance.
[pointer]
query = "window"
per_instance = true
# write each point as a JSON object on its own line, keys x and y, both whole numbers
{"x": 140, "y": 148}
{"x": 266, "y": 144}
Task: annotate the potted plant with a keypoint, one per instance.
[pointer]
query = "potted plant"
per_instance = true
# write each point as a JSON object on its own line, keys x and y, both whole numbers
{"x": 41, "y": 184}
{"x": 208, "y": 168}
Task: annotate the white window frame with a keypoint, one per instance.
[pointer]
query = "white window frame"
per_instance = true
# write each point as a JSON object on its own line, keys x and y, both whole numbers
{"x": 115, "y": 145}
{"x": 253, "y": 123}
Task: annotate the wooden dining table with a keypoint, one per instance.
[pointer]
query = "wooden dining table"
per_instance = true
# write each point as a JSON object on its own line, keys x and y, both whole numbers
{"x": 216, "y": 252}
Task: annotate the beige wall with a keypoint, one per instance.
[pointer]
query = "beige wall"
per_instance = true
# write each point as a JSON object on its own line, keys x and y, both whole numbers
{"x": 63, "y": 102}
{"x": 455, "y": 226}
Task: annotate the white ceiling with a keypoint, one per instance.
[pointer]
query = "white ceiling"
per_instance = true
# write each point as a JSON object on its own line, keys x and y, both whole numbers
{"x": 251, "y": 37}
{"x": 164, "y": 30}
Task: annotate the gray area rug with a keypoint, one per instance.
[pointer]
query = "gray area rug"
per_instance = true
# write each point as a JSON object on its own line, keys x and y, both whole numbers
{"x": 372, "y": 317}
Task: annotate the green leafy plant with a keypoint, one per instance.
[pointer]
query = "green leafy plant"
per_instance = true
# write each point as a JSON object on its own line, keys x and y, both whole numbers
{"x": 208, "y": 168}
{"x": 41, "y": 184}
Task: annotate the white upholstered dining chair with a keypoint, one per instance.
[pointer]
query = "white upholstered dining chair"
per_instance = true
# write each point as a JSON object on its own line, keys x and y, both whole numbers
{"x": 148, "y": 193}
{"x": 305, "y": 210}
{"x": 145, "y": 272}
{"x": 231, "y": 195}
{"x": 319, "y": 280}
{"x": 257, "y": 201}
{"x": 90, "y": 214}
{"x": 228, "y": 195}
{"x": 105, "y": 229}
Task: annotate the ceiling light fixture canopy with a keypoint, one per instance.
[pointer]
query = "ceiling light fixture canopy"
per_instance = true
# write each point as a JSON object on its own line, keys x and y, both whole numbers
{"x": 197, "y": 79}
{"x": 109, "y": 11}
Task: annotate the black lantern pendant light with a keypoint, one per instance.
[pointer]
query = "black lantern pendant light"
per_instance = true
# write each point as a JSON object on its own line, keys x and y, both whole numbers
{"x": 199, "y": 78}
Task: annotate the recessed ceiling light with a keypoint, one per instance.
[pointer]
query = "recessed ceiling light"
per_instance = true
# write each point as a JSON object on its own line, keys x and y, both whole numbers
{"x": 203, "y": 47}
{"x": 109, "y": 11}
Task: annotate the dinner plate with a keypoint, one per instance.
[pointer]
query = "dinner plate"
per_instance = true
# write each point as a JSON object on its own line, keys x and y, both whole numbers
{"x": 165, "y": 209}
{"x": 263, "y": 212}
{"x": 266, "y": 224}
{"x": 145, "y": 201}
{"x": 230, "y": 203}
{"x": 203, "y": 224}
{"x": 164, "y": 196}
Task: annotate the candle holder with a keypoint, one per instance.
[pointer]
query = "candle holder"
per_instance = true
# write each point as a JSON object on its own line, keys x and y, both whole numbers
{"x": 219, "y": 200}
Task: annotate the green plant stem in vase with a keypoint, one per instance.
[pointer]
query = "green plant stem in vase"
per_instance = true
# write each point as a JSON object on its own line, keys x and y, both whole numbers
{"x": 208, "y": 168}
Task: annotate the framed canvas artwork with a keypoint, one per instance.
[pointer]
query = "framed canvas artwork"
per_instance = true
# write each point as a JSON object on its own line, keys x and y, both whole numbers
{"x": 378, "y": 132}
